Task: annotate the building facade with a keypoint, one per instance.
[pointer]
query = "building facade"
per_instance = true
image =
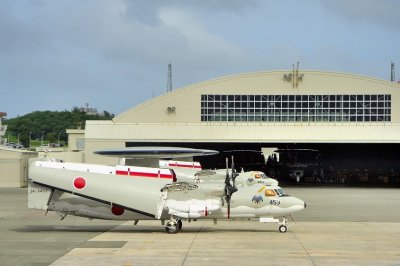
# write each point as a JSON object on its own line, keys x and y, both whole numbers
{"x": 282, "y": 109}
{"x": 3, "y": 128}
{"x": 14, "y": 164}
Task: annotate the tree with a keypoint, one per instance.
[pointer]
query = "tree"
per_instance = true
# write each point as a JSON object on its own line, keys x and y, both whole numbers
{"x": 51, "y": 123}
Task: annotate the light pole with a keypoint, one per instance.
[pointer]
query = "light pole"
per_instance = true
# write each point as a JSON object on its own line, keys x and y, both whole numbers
{"x": 58, "y": 139}
{"x": 18, "y": 138}
{"x": 30, "y": 139}
{"x": 41, "y": 144}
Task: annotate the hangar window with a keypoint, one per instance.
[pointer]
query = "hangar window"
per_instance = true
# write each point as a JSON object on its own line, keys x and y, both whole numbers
{"x": 296, "y": 108}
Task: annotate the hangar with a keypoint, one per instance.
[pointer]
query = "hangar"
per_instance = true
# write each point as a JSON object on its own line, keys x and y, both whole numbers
{"x": 351, "y": 121}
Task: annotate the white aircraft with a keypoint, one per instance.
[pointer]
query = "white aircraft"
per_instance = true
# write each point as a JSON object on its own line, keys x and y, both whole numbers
{"x": 143, "y": 193}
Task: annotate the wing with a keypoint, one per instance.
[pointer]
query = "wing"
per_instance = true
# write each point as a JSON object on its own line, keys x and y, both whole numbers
{"x": 139, "y": 194}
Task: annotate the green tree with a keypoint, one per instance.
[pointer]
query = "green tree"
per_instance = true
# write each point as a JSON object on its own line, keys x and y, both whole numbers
{"x": 50, "y": 124}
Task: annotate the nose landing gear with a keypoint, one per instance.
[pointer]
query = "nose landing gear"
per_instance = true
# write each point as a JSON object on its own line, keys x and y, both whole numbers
{"x": 283, "y": 225}
{"x": 282, "y": 228}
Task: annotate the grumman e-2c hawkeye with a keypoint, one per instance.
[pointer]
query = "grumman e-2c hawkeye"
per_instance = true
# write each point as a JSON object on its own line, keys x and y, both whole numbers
{"x": 143, "y": 193}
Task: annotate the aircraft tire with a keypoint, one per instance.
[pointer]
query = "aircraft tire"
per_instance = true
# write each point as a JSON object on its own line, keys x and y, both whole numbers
{"x": 179, "y": 224}
{"x": 171, "y": 229}
{"x": 283, "y": 228}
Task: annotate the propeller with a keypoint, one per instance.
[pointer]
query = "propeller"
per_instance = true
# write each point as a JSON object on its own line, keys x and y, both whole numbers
{"x": 230, "y": 188}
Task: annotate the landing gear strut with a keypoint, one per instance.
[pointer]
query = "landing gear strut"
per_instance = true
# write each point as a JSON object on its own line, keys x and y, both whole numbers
{"x": 173, "y": 226}
{"x": 283, "y": 225}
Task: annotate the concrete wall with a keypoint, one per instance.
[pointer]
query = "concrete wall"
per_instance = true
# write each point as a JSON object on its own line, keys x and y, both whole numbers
{"x": 76, "y": 139}
{"x": 14, "y": 167}
{"x": 73, "y": 157}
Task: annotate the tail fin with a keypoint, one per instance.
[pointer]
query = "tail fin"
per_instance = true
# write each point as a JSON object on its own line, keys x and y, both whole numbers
{"x": 38, "y": 196}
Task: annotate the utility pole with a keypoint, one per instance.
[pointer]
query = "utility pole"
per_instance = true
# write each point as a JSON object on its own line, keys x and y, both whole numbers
{"x": 392, "y": 75}
{"x": 169, "y": 81}
{"x": 41, "y": 143}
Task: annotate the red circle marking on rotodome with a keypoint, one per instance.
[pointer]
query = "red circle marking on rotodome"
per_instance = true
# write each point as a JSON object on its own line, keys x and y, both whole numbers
{"x": 79, "y": 182}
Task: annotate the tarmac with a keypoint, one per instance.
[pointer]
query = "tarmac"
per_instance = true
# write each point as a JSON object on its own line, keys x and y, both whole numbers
{"x": 340, "y": 226}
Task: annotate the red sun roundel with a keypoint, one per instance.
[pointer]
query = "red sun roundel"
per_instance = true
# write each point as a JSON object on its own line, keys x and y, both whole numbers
{"x": 79, "y": 182}
{"x": 117, "y": 210}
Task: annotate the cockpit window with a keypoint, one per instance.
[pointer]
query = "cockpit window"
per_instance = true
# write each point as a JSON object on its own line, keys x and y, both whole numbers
{"x": 263, "y": 176}
{"x": 270, "y": 193}
{"x": 260, "y": 175}
{"x": 280, "y": 192}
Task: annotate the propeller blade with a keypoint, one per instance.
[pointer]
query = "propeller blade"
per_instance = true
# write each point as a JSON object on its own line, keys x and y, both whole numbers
{"x": 228, "y": 201}
{"x": 234, "y": 174}
{"x": 229, "y": 208}
{"x": 230, "y": 190}
{"x": 227, "y": 183}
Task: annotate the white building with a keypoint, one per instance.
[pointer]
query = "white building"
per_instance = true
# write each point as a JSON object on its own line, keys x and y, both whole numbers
{"x": 3, "y": 128}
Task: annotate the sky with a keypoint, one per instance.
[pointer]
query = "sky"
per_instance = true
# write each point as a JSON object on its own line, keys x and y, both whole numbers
{"x": 114, "y": 55}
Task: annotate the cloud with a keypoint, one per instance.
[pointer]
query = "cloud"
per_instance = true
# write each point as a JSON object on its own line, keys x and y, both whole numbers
{"x": 383, "y": 13}
{"x": 17, "y": 33}
{"x": 196, "y": 42}
{"x": 85, "y": 51}
{"x": 147, "y": 11}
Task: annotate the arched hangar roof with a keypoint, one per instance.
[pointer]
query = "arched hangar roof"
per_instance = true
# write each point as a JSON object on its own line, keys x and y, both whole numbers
{"x": 185, "y": 105}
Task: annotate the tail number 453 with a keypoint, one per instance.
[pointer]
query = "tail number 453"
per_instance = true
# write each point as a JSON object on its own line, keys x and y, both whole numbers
{"x": 275, "y": 202}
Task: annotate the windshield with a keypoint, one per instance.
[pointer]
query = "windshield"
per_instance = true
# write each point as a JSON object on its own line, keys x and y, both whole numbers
{"x": 264, "y": 176}
{"x": 260, "y": 175}
{"x": 280, "y": 192}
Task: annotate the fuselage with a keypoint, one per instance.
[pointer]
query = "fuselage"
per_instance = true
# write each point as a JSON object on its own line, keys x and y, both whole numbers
{"x": 257, "y": 200}
{"x": 247, "y": 202}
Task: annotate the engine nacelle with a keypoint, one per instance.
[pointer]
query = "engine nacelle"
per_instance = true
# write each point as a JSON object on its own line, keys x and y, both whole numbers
{"x": 185, "y": 215}
{"x": 192, "y": 208}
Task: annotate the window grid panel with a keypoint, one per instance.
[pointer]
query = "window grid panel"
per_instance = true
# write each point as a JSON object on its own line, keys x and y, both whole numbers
{"x": 296, "y": 108}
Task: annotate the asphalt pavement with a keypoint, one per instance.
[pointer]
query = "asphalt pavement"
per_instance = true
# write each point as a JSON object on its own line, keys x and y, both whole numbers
{"x": 340, "y": 226}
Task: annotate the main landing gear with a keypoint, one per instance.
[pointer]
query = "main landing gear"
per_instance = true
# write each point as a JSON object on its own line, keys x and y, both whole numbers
{"x": 173, "y": 226}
